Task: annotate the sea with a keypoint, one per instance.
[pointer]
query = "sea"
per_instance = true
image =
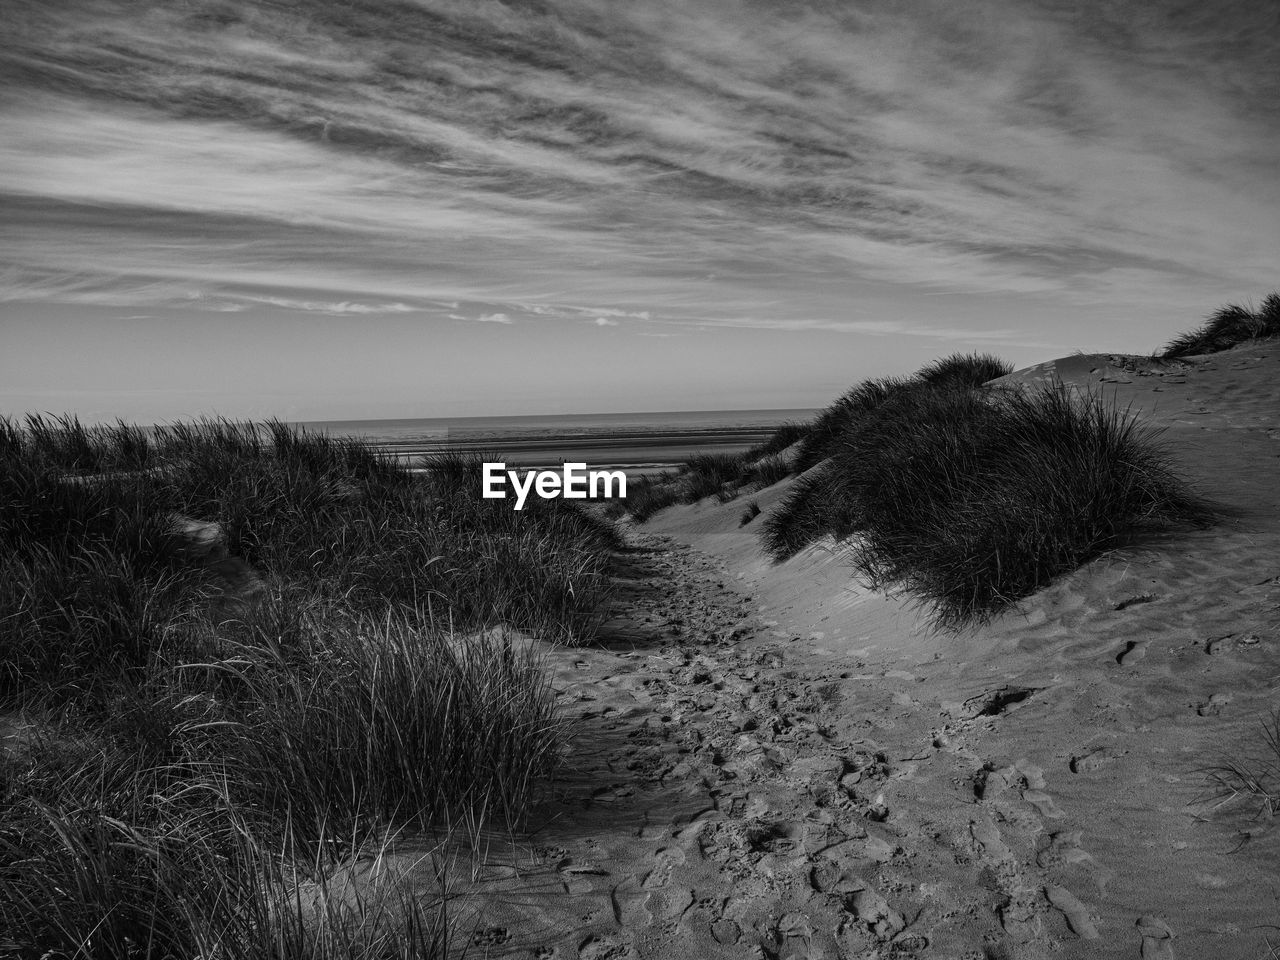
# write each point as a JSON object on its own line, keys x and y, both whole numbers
{"x": 635, "y": 442}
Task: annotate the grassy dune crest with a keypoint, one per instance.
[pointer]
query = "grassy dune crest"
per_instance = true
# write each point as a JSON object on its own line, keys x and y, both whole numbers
{"x": 94, "y": 573}
{"x": 828, "y": 425}
{"x": 725, "y": 476}
{"x": 973, "y": 499}
{"x": 958, "y": 369}
{"x": 720, "y": 475}
{"x": 248, "y": 652}
{"x": 782, "y": 437}
{"x": 1226, "y": 327}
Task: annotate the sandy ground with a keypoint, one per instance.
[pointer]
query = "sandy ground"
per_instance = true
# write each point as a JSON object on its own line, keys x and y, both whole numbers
{"x": 771, "y": 761}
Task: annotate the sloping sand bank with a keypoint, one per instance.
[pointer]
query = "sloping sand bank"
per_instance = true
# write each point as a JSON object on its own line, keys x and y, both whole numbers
{"x": 774, "y": 762}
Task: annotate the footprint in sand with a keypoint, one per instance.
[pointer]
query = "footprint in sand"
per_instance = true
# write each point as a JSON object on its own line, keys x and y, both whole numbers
{"x": 691, "y": 832}
{"x": 630, "y": 904}
{"x": 995, "y": 703}
{"x": 1061, "y": 849}
{"x": 987, "y": 838}
{"x": 826, "y": 875}
{"x": 491, "y": 937}
{"x": 1216, "y": 646}
{"x": 576, "y": 877}
{"x": 1134, "y": 601}
{"x": 598, "y": 947}
{"x": 726, "y": 931}
{"x": 674, "y": 903}
{"x": 791, "y": 939}
{"x": 1094, "y": 759}
{"x": 1157, "y": 939}
{"x": 1213, "y": 706}
{"x": 872, "y": 909}
{"x": 660, "y": 875}
{"x": 784, "y": 837}
{"x": 990, "y": 782}
{"x": 1022, "y": 775}
{"x": 1034, "y": 774}
{"x": 1133, "y": 651}
{"x": 1065, "y": 902}
{"x": 1043, "y": 803}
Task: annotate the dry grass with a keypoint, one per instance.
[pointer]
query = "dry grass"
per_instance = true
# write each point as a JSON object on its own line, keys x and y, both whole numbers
{"x": 1253, "y": 779}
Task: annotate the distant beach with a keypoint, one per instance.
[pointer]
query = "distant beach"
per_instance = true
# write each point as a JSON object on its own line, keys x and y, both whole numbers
{"x": 638, "y": 442}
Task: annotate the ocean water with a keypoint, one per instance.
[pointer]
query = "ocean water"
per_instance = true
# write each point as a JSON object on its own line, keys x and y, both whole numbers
{"x": 637, "y": 442}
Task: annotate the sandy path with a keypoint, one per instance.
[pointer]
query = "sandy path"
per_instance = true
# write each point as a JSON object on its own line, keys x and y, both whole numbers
{"x": 725, "y": 800}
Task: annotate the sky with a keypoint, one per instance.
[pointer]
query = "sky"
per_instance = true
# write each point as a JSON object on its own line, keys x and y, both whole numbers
{"x": 342, "y": 209}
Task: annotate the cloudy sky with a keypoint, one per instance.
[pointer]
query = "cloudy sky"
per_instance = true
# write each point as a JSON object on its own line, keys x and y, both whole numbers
{"x": 373, "y": 208}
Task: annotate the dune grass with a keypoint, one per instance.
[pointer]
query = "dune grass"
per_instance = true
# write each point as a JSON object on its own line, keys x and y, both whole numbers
{"x": 709, "y": 475}
{"x": 199, "y": 760}
{"x": 804, "y": 516}
{"x": 646, "y": 495}
{"x": 1253, "y": 778}
{"x": 956, "y": 370}
{"x": 964, "y": 370}
{"x": 829, "y": 424}
{"x": 702, "y": 475}
{"x": 784, "y": 436}
{"x": 972, "y": 499}
{"x": 1226, "y": 327}
{"x": 767, "y": 471}
{"x": 110, "y": 856}
{"x": 92, "y": 577}
{"x": 726, "y": 476}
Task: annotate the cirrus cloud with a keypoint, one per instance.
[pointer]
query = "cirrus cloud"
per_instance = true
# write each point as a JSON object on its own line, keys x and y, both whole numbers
{"x": 807, "y": 167}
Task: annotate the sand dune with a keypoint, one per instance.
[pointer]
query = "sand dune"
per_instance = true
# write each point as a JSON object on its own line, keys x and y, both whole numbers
{"x": 776, "y": 762}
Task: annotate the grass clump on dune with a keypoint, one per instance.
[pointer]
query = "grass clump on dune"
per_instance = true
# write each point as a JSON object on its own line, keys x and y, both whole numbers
{"x": 720, "y": 475}
{"x": 804, "y": 517}
{"x": 767, "y": 471}
{"x": 964, "y": 370}
{"x": 828, "y": 425}
{"x": 710, "y": 475}
{"x": 1226, "y": 327}
{"x": 102, "y": 572}
{"x": 205, "y": 748}
{"x": 1253, "y": 778}
{"x": 973, "y": 499}
{"x": 646, "y": 495}
{"x": 957, "y": 370}
{"x": 702, "y": 475}
{"x": 784, "y": 436}
{"x": 111, "y": 856}
{"x": 724, "y": 476}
